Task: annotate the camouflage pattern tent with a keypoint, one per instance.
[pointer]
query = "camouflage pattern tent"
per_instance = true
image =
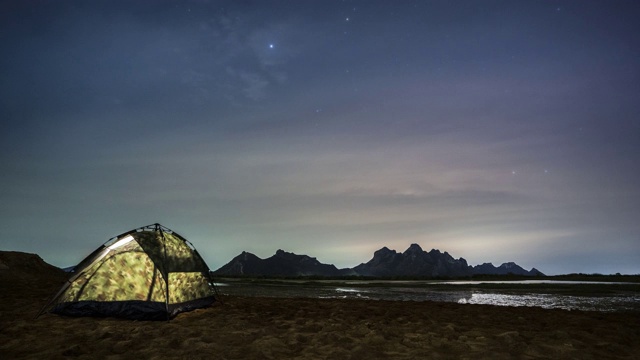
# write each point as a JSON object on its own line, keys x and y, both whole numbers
{"x": 149, "y": 273}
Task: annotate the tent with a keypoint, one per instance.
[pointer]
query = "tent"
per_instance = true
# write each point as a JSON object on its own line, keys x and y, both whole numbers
{"x": 149, "y": 273}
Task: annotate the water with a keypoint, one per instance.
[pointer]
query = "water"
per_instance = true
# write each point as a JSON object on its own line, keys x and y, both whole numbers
{"x": 423, "y": 291}
{"x": 559, "y": 282}
{"x": 550, "y": 301}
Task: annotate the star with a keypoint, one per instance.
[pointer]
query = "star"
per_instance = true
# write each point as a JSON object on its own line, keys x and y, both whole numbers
{"x": 270, "y": 46}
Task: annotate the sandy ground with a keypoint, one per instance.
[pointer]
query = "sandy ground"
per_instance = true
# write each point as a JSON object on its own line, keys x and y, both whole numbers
{"x": 273, "y": 328}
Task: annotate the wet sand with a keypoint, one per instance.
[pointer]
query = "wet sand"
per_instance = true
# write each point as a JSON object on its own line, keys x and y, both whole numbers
{"x": 276, "y": 328}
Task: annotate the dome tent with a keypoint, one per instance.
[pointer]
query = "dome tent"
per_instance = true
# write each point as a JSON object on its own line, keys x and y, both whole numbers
{"x": 149, "y": 273}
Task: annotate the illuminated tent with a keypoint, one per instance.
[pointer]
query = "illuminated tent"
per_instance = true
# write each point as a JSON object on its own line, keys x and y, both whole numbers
{"x": 149, "y": 273}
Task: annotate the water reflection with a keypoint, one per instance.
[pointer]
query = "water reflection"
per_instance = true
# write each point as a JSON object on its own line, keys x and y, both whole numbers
{"x": 547, "y": 301}
{"x": 566, "y": 282}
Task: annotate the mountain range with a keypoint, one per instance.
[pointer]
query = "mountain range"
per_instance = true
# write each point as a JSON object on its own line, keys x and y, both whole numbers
{"x": 414, "y": 262}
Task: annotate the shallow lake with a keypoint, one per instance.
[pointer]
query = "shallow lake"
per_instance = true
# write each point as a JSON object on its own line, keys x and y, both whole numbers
{"x": 462, "y": 292}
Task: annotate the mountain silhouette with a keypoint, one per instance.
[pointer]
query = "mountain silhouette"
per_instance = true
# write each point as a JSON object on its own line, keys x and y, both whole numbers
{"x": 413, "y": 262}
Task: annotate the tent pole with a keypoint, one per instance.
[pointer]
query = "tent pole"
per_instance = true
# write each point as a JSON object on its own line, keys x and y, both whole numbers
{"x": 164, "y": 266}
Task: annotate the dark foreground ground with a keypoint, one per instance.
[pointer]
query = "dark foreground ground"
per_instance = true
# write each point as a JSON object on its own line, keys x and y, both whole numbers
{"x": 270, "y": 328}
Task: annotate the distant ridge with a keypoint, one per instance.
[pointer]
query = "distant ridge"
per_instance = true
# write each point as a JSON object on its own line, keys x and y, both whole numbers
{"x": 281, "y": 264}
{"x": 414, "y": 262}
{"x": 504, "y": 269}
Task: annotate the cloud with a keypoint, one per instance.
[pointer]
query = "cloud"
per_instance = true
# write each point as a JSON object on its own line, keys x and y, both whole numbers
{"x": 254, "y": 85}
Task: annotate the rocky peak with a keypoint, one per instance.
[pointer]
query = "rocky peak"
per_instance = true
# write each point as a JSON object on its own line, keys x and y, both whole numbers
{"x": 384, "y": 253}
{"x": 385, "y": 250}
{"x": 414, "y": 248}
{"x": 536, "y": 272}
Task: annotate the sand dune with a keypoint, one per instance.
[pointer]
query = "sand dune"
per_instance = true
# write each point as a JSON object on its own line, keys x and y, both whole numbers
{"x": 270, "y": 328}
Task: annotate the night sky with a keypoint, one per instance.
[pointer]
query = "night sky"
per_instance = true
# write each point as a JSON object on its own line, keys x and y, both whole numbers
{"x": 494, "y": 130}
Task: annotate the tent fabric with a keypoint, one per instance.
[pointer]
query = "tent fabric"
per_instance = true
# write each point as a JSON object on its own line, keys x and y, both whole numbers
{"x": 149, "y": 273}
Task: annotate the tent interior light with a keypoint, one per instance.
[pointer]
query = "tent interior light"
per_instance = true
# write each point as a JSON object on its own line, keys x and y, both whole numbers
{"x": 125, "y": 240}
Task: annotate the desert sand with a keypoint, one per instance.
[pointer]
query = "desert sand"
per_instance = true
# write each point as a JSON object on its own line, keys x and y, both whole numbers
{"x": 276, "y": 328}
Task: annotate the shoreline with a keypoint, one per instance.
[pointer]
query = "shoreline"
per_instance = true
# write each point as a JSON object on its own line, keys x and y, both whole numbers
{"x": 574, "y": 296}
